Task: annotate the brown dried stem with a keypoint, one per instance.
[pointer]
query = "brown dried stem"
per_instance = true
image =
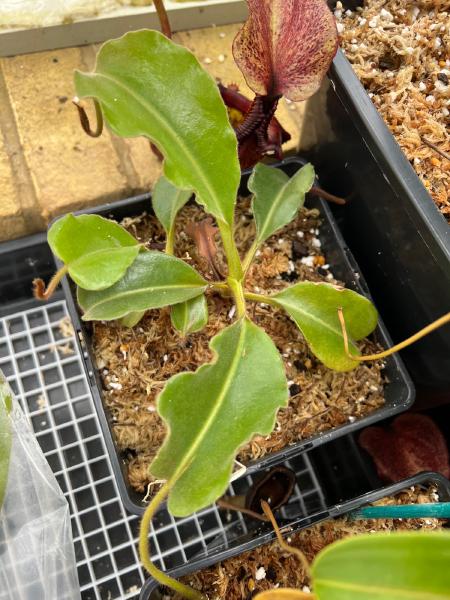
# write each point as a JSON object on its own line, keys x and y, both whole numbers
{"x": 84, "y": 119}
{"x": 163, "y": 18}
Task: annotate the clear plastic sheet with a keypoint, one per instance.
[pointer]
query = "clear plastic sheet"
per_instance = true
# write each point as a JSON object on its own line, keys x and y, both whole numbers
{"x": 37, "y": 558}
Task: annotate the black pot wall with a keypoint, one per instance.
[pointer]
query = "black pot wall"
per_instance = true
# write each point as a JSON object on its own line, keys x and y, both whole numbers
{"x": 152, "y": 591}
{"x": 399, "y": 391}
{"x": 398, "y": 236}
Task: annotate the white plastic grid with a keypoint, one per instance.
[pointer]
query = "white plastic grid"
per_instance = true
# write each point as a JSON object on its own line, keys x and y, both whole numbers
{"x": 45, "y": 371}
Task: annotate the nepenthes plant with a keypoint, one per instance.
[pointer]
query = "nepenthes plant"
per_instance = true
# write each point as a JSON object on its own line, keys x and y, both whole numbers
{"x": 145, "y": 84}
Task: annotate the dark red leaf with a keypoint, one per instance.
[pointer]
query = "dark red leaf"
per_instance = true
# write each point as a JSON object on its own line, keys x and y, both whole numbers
{"x": 286, "y": 47}
{"x": 412, "y": 443}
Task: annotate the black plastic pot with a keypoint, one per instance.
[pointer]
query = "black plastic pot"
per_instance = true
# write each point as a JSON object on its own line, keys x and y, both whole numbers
{"x": 393, "y": 227}
{"x": 152, "y": 591}
{"x": 399, "y": 391}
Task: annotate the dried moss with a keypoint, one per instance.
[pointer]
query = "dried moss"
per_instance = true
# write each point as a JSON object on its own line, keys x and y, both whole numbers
{"x": 399, "y": 51}
{"x": 136, "y": 363}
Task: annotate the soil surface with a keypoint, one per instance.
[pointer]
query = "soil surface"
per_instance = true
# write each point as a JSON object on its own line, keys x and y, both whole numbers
{"x": 400, "y": 52}
{"x": 269, "y": 566}
{"x": 136, "y": 363}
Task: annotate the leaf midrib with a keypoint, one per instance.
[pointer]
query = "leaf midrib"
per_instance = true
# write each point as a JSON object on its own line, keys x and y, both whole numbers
{"x": 261, "y": 236}
{"x": 205, "y": 429}
{"x": 381, "y": 590}
{"x": 295, "y": 308}
{"x": 178, "y": 141}
{"x": 145, "y": 290}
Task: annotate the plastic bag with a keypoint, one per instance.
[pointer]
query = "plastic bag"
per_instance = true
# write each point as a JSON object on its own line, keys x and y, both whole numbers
{"x": 37, "y": 558}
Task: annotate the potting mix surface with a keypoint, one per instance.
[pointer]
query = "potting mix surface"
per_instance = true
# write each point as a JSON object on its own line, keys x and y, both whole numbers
{"x": 401, "y": 53}
{"x": 269, "y": 566}
{"x": 136, "y": 363}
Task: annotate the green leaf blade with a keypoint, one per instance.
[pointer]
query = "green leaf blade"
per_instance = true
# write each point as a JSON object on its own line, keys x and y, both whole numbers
{"x": 277, "y": 198}
{"x": 5, "y": 435}
{"x": 190, "y": 316}
{"x": 99, "y": 270}
{"x": 214, "y": 411}
{"x": 153, "y": 280}
{"x": 314, "y": 308}
{"x": 148, "y": 85}
{"x": 167, "y": 201}
{"x": 398, "y": 566}
{"x": 97, "y": 251}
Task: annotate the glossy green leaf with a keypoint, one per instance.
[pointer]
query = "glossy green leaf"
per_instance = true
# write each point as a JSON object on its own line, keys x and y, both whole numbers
{"x": 277, "y": 198}
{"x": 167, "y": 200}
{"x": 190, "y": 316}
{"x": 148, "y": 85}
{"x": 153, "y": 280}
{"x": 97, "y": 251}
{"x": 397, "y": 566}
{"x": 132, "y": 318}
{"x": 314, "y": 308}
{"x": 5, "y": 434}
{"x": 214, "y": 411}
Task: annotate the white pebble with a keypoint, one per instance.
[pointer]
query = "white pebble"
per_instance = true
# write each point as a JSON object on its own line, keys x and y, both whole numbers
{"x": 430, "y": 99}
{"x": 385, "y": 14}
{"x": 410, "y": 50}
{"x": 222, "y": 34}
{"x": 306, "y": 589}
{"x": 437, "y": 42}
{"x": 260, "y": 574}
{"x": 348, "y": 12}
{"x": 300, "y": 234}
{"x": 340, "y": 27}
{"x": 417, "y": 161}
{"x": 440, "y": 86}
{"x": 362, "y": 21}
{"x": 221, "y": 58}
{"x": 115, "y": 386}
{"x": 232, "y": 311}
{"x": 165, "y": 358}
{"x": 308, "y": 261}
{"x": 422, "y": 86}
{"x": 338, "y": 14}
{"x": 207, "y": 61}
{"x": 445, "y": 112}
{"x": 352, "y": 419}
{"x": 316, "y": 243}
{"x": 280, "y": 240}
{"x": 373, "y": 22}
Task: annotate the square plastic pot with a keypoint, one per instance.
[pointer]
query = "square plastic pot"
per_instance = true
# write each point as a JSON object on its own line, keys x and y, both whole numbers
{"x": 399, "y": 391}
{"x": 152, "y": 591}
{"x": 392, "y": 225}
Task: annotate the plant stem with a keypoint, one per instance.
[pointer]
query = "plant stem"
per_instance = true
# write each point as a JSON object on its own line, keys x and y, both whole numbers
{"x": 234, "y": 262}
{"x": 219, "y": 287}
{"x": 250, "y": 256}
{"x": 40, "y": 292}
{"x": 260, "y": 298}
{"x": 238, "y": 293}
{"x": 163, "y": 18}
{"x": 414, "y": 338}
{"x": 170, "y": 241}
{"x": 298, "y": 553}
{"x": 144, "y": 552}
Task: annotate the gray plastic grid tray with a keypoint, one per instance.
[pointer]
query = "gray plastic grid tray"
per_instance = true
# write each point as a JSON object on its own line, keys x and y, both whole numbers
{"x": 44, "y": 370}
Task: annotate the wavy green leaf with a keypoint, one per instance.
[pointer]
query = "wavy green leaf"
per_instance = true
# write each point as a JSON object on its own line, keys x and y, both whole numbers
{"x": 148, "y": 85}
{"x": 153, "y": 280}
{"x": 5, "y": 434}
{"x": 214, "y": 411}
{"x": 277, "y": 198}
{"x": 190, "y": 316}
{"x": 398, "y": 566}
{"x": 97, "y": 251}
{"x": 167, "y": 200}
{"x": 314, "y": 308}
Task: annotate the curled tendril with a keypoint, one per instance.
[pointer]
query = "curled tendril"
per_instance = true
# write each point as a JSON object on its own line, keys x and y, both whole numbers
{"x": 84, "y": 119}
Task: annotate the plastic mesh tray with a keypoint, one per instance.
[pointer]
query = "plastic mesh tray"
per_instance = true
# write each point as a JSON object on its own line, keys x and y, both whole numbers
{"x": 45, "y": 371}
